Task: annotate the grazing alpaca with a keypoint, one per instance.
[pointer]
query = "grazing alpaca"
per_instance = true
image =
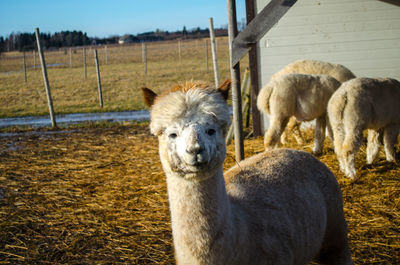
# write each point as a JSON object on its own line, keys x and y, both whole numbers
{"x": 359, "y": 104}
{"x": 279, "y": 207}
{"x": 299, "y": 95}
{"x": 311, "y": 67}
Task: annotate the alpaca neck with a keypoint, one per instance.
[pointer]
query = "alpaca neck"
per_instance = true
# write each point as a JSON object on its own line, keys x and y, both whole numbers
{"x": 200, "y": 216}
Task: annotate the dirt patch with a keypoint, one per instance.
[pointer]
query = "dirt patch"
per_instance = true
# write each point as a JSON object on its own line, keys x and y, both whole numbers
{"x": 98, "y": 196}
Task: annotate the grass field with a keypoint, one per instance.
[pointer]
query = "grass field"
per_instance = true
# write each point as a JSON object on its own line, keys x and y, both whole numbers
{"x": 98, "y": 196}
{"x": 122, "y": 75}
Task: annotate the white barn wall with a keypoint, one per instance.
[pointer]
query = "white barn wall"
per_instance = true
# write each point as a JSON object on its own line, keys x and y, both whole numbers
{"x": 363, "y": 35}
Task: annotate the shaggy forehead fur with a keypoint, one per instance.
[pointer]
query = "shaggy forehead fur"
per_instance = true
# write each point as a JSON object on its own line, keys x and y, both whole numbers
{"x": 185, "y": 101}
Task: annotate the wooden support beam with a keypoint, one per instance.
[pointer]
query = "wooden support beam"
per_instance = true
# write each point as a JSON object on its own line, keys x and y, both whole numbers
{"x": 253, "y": 65}
{"x": 258, "y": 27}
{"x": 235, "y": 77}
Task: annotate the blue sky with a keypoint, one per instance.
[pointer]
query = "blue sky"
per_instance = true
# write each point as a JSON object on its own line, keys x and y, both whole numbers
{"x": 102, "y": 18}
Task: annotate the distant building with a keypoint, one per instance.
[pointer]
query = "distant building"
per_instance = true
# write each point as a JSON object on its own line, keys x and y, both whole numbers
{"x": 126, "y": 39}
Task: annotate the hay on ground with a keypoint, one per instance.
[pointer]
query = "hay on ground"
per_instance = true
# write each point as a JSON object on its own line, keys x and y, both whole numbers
{"x": 98, "y": 196}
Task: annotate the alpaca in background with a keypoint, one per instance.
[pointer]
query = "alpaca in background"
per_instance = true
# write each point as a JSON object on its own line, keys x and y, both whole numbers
{"x": 312, "y": 67}
{"x": 359, "y": 104}
{"x": 302, "y": 96}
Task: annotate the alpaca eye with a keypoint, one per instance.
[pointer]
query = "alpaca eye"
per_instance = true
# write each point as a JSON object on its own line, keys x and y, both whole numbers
{"x": 210, "y": 132}
{"x": 172, "y": 135}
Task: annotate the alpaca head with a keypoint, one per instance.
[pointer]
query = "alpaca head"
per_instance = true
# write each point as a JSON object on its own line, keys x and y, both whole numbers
{"x": 191, "y": 121}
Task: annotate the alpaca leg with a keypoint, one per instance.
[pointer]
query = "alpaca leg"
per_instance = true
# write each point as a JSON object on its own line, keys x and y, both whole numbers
{"x": 351, "y": 144}
{"x": 284, "y": 136}
{"x": 329, "y": 130}
{"x": 293, "y": 127}
{"x": 373, "y": 144}
{"x": 389, "y": 140}
{"x": 338, "y": 138}
{"x": 297, "y": 133}
{"x": 272, "y": 136}
{"x": 319, "y": 135}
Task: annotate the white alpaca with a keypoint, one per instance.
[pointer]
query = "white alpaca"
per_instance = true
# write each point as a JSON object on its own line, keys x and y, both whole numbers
{"x": 359, "y": 104}
{"x": 299, "y": 95}
{"x": 279, "y": 207}
{"x": 312, "y": 67}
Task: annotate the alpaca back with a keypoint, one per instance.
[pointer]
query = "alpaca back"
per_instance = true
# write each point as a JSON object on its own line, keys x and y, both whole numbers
{"x": 288, "y": 194}
{"x": 338, "y": 71}
{"x": 369, "y": 102}
{"x": 301, "y": 95}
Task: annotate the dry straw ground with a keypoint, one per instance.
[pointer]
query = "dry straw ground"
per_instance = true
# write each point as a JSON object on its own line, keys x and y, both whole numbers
{"x": 98, "y": 196}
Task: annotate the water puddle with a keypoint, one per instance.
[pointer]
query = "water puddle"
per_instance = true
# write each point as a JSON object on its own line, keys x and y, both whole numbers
{"x": 43, "y": 121}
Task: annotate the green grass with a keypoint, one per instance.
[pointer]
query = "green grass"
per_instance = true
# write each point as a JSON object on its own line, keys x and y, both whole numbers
{"x": 121, "y": 78}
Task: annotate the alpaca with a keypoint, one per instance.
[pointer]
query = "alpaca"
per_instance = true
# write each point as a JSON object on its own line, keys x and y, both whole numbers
{"x": 359, "y": 104}
{"x": 312, "y": 67}
{"x": 299, "y": 95}
{"x": 278, "y": 207}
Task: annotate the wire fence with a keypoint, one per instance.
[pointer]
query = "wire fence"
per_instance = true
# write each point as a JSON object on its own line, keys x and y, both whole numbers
{"x": 175, "y": 51}
{"x": 124, "y": 69}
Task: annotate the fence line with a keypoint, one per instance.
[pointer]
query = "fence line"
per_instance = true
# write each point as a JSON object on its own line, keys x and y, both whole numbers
{"x": 115, "y": 54}
{"x": 156, "y": 66}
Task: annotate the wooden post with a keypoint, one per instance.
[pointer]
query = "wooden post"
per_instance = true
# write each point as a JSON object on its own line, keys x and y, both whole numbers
{"x": 26, "y": 80}
{"x": 245, "y": 108}
{"x": 84, "y": 63}
{"x": 144, "y": 57}
{"x": 46, "y": 80}
{"x": 98, "y": 78}
{"x": 34, "y": 59}
{"x": 105, "y": 49}
{"x": 235, "y": 76}
{"x": 214, "y": 52}
{"x": 206, "y": 49}
{"x": 70, "y": 57}
{"x": 253, "y": 64}
{"x": 246, "y": 97}
{"x": 179, "y": 50}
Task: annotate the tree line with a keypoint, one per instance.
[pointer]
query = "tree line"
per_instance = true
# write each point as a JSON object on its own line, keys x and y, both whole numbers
{"x": 27, "y": 41}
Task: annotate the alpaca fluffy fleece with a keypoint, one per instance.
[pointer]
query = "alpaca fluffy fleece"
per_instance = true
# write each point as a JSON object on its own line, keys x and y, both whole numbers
{"x": 359, "y": 104}
{"x": 279, "y": 207}
{"x": 312, "y": 67}
{"x": 337, "y": 71}
{"x": 302, "y": 96}
{"x": 187, "y": 100}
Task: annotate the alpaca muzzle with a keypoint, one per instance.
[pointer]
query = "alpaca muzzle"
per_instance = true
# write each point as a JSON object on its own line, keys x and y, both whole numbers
{"x": 195, "y": 151}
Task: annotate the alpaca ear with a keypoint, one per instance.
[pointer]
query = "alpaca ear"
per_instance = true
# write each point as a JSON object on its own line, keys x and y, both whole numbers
{"x": 224, "y": 88}
{"x": 148, "y": 96}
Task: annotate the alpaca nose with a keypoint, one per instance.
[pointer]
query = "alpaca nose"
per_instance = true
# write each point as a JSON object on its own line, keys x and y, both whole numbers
{"x": 194, "y": 149}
